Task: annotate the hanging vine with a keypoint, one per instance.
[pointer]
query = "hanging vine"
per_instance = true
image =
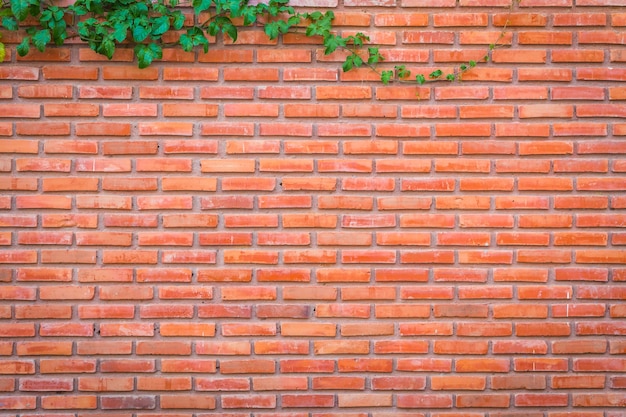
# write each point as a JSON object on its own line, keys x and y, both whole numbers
{"x": 105, "y": 25}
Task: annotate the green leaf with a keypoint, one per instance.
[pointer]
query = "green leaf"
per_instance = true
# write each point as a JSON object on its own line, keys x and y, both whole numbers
{"x": 314, "y": 16}
{"x": 200, "y": 5}
{"x": 24, "y": 46}
{"x": 249, "y": 15}
{"x": 59, "y": 33}
{"x": 230, "y": 30}
{"x": 271, "y": 30}
{"x": 436, "y": 74}
{"x": 139, "y": 33}
{"x": 144, "y": 56}
{"x": 179, "y": 20}
{"x": 2, "y": 52}
{"x": 160, "y": 25}
{"x": 374, "y": 56}
{"x": 472, "y": 64}
{"x": 41, "y": 39}
{"x": 20, "y": 9}
{"x": 450, "y": 77}
{"x": 9, "y": 23}
{"x": 148, "y": 53}
{"x": 348, "y": 64}
{"x": 420, "y": 79}
{"x": 401, "y": 71}
{"x": 57, "y": 13}
{"x": 120, "y": 33}
{"x": 386, "y": 76}
{"x": 463, "y": 67}
{"x": 213, "y": 28}
{"x": 332, "y": 42}
{"x": 186, "y": 42}
{"x": 46, "y": 16}
{"x": 107, "y": 48}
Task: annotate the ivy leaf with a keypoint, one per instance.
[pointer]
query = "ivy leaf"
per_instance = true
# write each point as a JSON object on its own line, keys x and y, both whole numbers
{"x": 41, "y": 39}
{"x": 352, "y": 61}
{"x": 472, "y": 64}
{"x": 160, "y": 25}
{"x": 332, "y": 42}
{"x": 59, "y": 32}
{"x": 436, "y": 74}
{"x": 120, "y": 33}
{"x": 314, "y": 16}
{"x": 24, "y": 46}
{"x": 271, "y": 30}
{"x": 374, "y": 56}
{"x": 9, "y": 23}
{"x": 230, "y": 30}
{"x": 249, "y": 15}
{"x": 200, "y": 5}
{"x": 46, "y": 16}
{"x": 107, "y": 48}
{"x": 186, "y": 42}
{"x": 450, "y": 77}
{"x": 420, "y": 79}
{"x": 144, "y": 56}
{"x": 20, "y": 9}
{"x": 386, "y": 76}
{"x": 2, "y": 52}
{"x": 401, "y": 71}
{"x": 463, "y": 67}
{"x": 147, "y": 53}
{"x": 179, "y": 21}
{"x": 139, "y": 33}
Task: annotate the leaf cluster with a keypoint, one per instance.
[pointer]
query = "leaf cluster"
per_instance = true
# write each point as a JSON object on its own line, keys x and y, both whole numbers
{"x": 105, "y": 25}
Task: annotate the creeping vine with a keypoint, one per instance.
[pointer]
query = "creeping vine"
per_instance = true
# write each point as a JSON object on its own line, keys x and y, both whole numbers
{"x": 151, "y": 25}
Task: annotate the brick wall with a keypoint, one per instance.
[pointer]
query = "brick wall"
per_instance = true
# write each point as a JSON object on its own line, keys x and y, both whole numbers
{"x": 254, "y": 233}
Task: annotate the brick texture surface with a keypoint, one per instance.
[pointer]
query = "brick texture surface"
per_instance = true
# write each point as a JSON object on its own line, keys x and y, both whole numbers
{"x": 252, "y": 232}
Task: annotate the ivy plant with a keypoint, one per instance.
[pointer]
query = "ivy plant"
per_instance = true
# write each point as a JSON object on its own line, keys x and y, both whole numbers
{"x": 105, "y": 25}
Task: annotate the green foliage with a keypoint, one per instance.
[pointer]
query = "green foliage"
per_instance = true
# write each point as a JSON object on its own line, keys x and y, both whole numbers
{"x": 106, "y": 24}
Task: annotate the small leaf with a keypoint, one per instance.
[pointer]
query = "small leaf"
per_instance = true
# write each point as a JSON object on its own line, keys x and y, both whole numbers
{"x": 139, "y": 33}
{"x": 420, "y": 79}
{"x": 231, "y": 31}
{"x": 59, "y": 33}
{"x": 120, "y": 33}
{"x": 24, "y": 46}
{"x": 386, "y": 76}
{"x": 200, "y": 5}
{"x": 271, "y": 30}
{"x": 348, "y": 63}
{"x": 374, "y": 56}
{"x": 2, "y": 52}
{"x": 249, "y": 16}
{"x": 107, "y": 48}
{"x": 179, "y": 21}
{"x": 401, "y": 71}
{"x": 41, "y": 39}
{"x": 9, "y": 23}
{"x": 19, "y": 9}
{"x": 46, "y": 16}
{"x": 186, "y": 42}
{"x": 472, "y": 64}
{"x": 450, "y": 77}
{"x": 436, "y": 74}
{"x": 144, "y": 56}
{"x": 463, "y": 67}
{"x": 160, "y": 25}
